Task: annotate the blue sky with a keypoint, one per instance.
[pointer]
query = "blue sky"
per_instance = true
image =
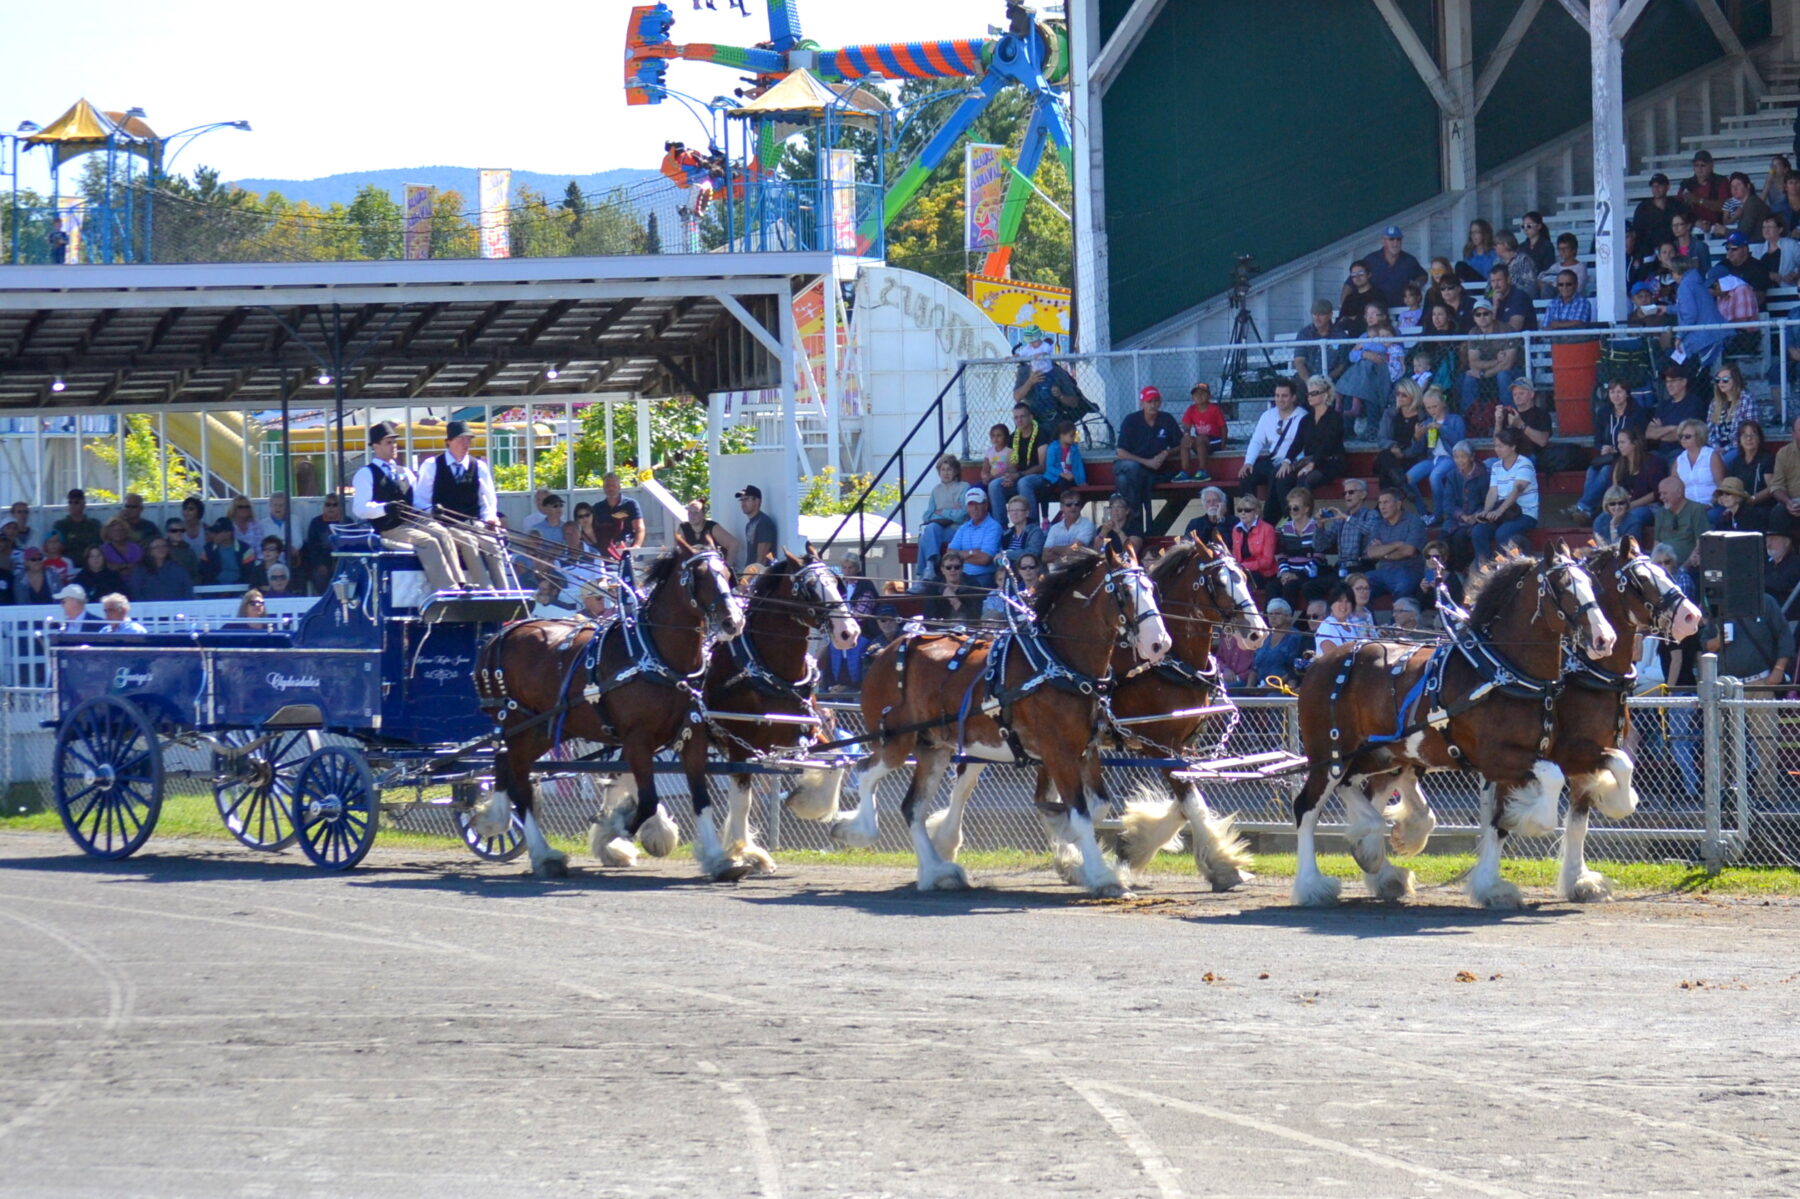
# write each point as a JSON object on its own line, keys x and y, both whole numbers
{"x": 333, "y": 86}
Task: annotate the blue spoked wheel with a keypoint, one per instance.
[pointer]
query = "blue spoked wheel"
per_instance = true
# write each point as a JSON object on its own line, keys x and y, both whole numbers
{"x": 503, "y": 848}
{"x": 108, "y": 777}
{"x": 336, "y": 808}
{"x": 255, "y": 791}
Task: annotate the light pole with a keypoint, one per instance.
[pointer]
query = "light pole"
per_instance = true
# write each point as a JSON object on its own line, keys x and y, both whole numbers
{"x": 159, "y": 167}
{"x": 9, "y": 164}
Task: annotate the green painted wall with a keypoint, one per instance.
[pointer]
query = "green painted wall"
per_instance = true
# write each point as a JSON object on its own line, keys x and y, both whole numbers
{"x": 1255, "y": 126}
{"x": 1277, "y": 126}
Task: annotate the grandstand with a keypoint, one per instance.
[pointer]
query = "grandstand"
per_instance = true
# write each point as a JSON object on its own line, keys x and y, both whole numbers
{"x": 1308, "y": 175}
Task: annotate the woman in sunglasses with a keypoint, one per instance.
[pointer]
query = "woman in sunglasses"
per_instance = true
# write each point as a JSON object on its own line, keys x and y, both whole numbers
{"x": 1731, "y": 406}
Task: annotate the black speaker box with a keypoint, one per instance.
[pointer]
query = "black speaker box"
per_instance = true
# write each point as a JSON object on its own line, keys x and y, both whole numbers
{"x": 1731, "y": 574}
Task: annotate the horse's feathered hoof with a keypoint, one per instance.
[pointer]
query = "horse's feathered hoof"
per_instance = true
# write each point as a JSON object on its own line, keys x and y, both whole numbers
{"x": 1591, "y": 887}
{"x": 1503, "y": 896}
{"x": 554, "y": 866}
{"x": 1228, "y": 878}
{"x": 1112, "y": 891}
{"x": 733, "y": 872}
{"x": 1391, "y": 883}
{"x": 1319, "y": 891}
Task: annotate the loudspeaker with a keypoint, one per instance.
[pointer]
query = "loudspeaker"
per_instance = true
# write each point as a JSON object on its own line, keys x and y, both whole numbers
{"x": 1731, "y": 574}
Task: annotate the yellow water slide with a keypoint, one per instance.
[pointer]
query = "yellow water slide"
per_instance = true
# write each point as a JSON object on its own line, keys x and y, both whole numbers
{"x": 217, "y": 440}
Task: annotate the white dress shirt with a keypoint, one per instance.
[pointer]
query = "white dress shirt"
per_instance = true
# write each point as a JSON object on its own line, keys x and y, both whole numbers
{"x": 362, "y": 488}
{"x": 489, "y": 501}
{"x": 1273, "y": 436}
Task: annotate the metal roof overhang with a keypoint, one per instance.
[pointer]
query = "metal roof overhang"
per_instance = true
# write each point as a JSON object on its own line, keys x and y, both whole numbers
{"x": 154, "y": 336}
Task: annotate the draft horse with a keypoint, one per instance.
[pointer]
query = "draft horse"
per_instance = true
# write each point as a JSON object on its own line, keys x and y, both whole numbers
{"x": 633, "y": 681}
{"x": 1375, "y": 715}
{"x": 1200, "y": 589}
{"x": 768, "y": 673}
{"x": 1018, "y": 697}
{"x": 1591, "y": 717}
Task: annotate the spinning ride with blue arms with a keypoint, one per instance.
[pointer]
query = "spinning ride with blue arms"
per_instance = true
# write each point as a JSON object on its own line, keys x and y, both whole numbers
{"x": 1028, "y": 53}
{"x": 378, "y": 661}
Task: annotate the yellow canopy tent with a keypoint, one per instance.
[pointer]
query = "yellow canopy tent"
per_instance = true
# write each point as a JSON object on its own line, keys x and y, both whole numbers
{"x": 84, "y": 128}
{"x": 806, "y": 97}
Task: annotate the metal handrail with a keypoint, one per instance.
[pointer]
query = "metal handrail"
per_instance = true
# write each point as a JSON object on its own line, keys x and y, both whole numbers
{"x": 936, "y": 408}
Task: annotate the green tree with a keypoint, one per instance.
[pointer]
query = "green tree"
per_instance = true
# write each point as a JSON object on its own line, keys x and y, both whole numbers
{"x": 452, "y": 235}
{"x": 677, "y": 449}
{"x": 144, "y": 465}
{"x": 827, "y": 495}
{"x": 379, "y": 222}
{"x": 575, "y": 204}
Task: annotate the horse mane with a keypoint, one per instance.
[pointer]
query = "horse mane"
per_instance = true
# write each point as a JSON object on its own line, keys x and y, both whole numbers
{"x": 765, "y": 583}
{"x": 661, "y": 569}
{"x": 1168, "y": 568}
{"x": 1493, "y": 586}
{"x": 1063, "y": 576}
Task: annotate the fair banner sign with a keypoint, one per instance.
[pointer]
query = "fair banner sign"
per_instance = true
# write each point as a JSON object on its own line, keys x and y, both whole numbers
{"x": 417, "y": 230}
{"x": 984, "y": 193}
{"x": 496, "y": 231}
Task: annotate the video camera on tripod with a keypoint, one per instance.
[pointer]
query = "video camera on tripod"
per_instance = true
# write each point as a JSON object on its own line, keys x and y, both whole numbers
{"x": 1239, "y": 379}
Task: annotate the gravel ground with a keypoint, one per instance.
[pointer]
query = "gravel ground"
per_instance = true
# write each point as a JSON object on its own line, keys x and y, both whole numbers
{"x": 199, "y": 1021}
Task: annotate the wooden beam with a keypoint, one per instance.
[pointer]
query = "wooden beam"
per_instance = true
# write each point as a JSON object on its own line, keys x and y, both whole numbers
{"x": 1627, "y": 16}
{"x": 545, "y": 323}
{"x": 1728, "y": 39}
{"x": 1124, "y": 41}
{"x": 1509, "y": 41}
{"x": 1419, "y": 56}
{"x": 1577, "y": 12}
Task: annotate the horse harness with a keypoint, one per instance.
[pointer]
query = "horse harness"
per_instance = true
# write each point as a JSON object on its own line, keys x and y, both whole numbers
{"x": 1046, "y": 668}
{"x": 808, "y": 584}
{"x": 642, "y": 662}
{"x": 1582, "y": 671}
{"x": 1496, "y": 672}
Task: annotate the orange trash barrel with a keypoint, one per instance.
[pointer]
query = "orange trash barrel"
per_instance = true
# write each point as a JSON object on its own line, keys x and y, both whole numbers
{"x": 1575, "y": 369}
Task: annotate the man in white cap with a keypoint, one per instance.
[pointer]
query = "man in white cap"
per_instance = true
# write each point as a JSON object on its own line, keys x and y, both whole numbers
{"x": 379, "y": 489}
{"x": 73, "y": 599}
{"x": 457, "y": 481}
{"x": 977, "y": 540}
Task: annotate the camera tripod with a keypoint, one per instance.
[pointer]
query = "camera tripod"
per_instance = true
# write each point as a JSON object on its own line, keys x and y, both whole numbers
{"x": 1244, "y": 333}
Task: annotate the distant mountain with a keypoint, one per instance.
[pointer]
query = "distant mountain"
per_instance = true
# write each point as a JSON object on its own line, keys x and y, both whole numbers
{"x": 341, "y": 189}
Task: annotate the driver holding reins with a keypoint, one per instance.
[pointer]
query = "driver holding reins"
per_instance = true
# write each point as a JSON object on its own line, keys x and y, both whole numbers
{"x": 380, "y": 489}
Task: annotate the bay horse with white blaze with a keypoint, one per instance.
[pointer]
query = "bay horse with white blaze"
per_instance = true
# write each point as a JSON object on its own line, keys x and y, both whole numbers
{"x": 1022, "y": 696}
{"x": 632, "y": 681}
{"x": 1591, "y": 717}
{"x": 1200, "y": 588}
{"x": 768, "y": 673}
{"x": 1375, "y": 715}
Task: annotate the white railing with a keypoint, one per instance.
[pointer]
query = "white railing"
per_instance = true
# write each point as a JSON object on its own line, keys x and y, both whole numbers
{"x": 22, "y": 659}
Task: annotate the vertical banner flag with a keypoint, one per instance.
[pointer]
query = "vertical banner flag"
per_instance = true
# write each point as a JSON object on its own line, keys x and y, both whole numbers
{"x": 496, "y": 233}
{"x": 71, "y": 211}
{"x": 841, "y": 165}
{"x": 984, "y": 173}
{"x": 418, "y": 221}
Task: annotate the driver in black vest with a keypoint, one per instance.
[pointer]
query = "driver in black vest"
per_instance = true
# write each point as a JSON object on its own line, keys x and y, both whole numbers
{"x": 457, "y": 481}
{"x": 382, "y": 481}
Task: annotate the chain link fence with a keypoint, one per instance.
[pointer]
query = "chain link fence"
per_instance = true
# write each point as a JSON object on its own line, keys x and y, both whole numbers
{"x": 1242, "y": 376}
{"x": 1715, "y": 776}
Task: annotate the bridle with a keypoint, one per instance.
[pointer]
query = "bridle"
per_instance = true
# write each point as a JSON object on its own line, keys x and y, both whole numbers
{"x": 1638, "y": 574}
{"x": 717, "y": 611}
{"x": 1130, "y": 580}
{"x": 813, "y": 584}
{"x": 1207, "y": 578}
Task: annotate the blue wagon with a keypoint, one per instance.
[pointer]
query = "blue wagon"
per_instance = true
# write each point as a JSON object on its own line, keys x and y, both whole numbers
{"x": 378, "y": 661}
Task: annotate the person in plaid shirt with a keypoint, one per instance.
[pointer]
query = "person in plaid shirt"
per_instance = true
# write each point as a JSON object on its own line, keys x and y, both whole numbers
{"x": 1349, "y": 534}
{"x": 1569, "y": 310}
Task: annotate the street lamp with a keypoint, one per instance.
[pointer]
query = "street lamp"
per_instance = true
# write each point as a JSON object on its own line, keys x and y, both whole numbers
{"x": 158, "y": 166}
{"x": 9, "y": 164}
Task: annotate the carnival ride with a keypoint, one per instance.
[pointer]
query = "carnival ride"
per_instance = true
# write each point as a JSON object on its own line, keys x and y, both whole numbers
{"x": 1028, "y": 53}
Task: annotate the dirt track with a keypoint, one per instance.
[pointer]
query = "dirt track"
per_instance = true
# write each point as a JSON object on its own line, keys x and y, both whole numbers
{"x": 200, "y": 1021}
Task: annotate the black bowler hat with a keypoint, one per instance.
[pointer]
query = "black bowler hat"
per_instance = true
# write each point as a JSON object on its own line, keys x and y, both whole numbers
{"x": 380, "y": 431}
{"x": 455, "y": 429}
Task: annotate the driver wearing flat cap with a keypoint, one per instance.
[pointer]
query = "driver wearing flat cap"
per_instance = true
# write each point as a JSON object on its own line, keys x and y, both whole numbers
{"x": 381, "y": 488}
{"x": 457, "y": 481}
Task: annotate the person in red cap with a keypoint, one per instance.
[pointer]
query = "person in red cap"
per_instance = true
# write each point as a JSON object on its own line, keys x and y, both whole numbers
{"x": 1149, "y": 440}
